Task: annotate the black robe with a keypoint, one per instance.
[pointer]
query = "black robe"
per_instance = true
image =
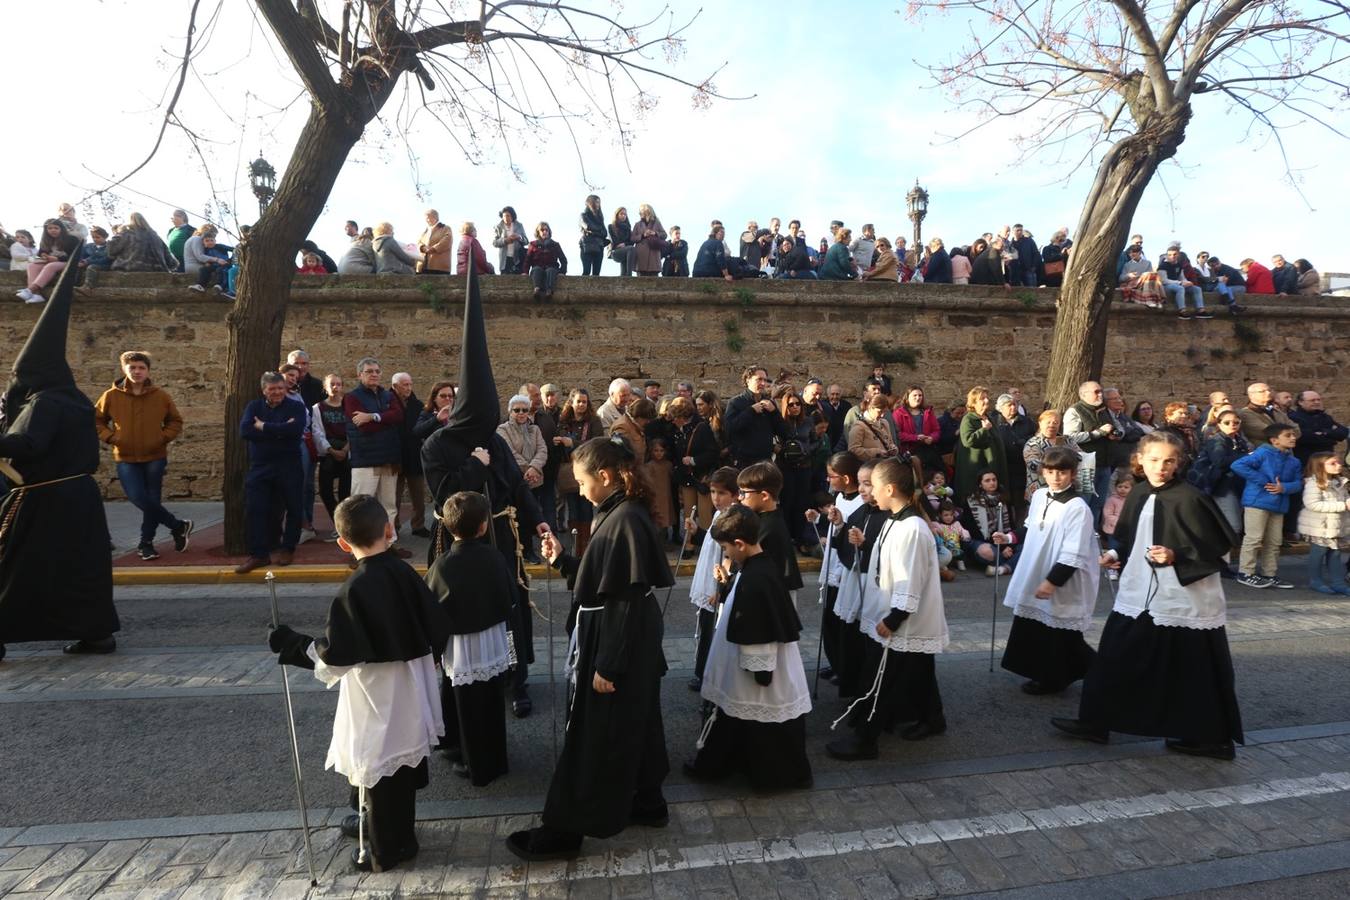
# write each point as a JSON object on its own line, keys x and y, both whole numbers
{"x": 449, "y": 467}
{"x": 614, "y": 752}
{"x": 473, "y": 586}
{"x": 776, "y": 541}
{"x": 1167, "y": 681}
{"x": 771, "y": 754}
{"x": 853, "y": 644}
{"x": 55, "y": 564}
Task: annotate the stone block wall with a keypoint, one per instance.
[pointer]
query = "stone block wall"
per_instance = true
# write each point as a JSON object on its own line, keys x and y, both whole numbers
{"x": 599, "y": 328}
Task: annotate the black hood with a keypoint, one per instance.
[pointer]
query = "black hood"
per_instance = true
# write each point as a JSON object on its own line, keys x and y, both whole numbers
{"x": 477, "y": 409}
{"x": 41, "y": 364}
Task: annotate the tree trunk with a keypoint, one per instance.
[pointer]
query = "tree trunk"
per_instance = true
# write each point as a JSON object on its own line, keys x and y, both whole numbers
{"x": 267, "y": 265}
{"x": 1079, "y": 347}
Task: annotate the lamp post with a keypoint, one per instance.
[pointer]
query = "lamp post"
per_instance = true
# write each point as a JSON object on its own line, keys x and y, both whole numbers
{"x": 263, "y": 179}
{"x": 917, "y": 201}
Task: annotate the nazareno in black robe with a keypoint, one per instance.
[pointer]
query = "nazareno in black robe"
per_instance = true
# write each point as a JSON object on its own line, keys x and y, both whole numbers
{"x": 771, "y": 754}
{"x": 613, "y": 758}
{"x": 1167, "y": 681}
{"x": 473, "y": 586}
{"x": 55, "y": 566}
{"x": 853, "y": 644}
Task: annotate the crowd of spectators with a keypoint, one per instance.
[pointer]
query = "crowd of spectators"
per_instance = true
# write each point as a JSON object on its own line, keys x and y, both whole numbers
{"x": 1011, "y": 257}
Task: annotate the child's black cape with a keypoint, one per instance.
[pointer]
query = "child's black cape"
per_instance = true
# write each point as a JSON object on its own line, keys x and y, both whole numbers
{"x": 384, "y": 612}
{"x": 763, "y": 612}
{"x": 776, "y": 541}
{"x": 473, "y": 585}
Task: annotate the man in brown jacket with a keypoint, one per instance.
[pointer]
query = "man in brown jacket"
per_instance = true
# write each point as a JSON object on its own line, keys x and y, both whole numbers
{"x": 1260, "y": 413}
{"x": 138, "y": 420}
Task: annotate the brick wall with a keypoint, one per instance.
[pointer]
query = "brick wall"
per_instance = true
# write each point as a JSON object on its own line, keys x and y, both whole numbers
{"x": 598, "y": 328}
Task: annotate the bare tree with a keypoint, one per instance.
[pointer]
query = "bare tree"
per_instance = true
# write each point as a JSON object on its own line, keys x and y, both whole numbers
{"x": 508, "y": 69}
{"x": 1122, "y": 76}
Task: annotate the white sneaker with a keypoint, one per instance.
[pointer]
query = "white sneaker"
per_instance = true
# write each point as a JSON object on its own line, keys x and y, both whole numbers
{"x": 217, "y": 289}
{"x": 35, "y": 298}
{"x": 24, "y": 294}
{"x": 197, "y": 287}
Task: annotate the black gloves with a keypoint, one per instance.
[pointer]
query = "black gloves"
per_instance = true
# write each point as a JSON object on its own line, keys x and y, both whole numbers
{"x": 763, "y": 679}
{"x": 290, "y": 646}
{"x": 893, "y": 620}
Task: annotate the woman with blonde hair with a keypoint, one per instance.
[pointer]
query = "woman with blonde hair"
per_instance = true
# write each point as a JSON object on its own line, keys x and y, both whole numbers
{"x": 390, "y": 257}
{"x": 870, "y": 438}
{"x": 838, "y": 263}
{"x": 136, "y": 248}
{"x": 470, "y": 249}
{"x": 978, "y": 447}
{"x": 649, "y": 240}
{"x": 887, "y": 268}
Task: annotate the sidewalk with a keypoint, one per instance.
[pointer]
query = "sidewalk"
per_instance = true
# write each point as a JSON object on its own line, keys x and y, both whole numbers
{"x": 205, "y": 560}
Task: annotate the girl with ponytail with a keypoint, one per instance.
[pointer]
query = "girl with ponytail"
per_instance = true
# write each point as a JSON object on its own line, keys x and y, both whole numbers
{"x": 613, "y": 758}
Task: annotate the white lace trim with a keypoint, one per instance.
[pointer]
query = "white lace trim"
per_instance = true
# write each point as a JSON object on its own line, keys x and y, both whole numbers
{"x": 478, "y": 656}
{"x": 367, "y": 776}
{"x": 916, "y": 644}
{"x": 760, "y": 712}
{"x": 905, "y": 600}
{"x": 703, "y": 603}
{"x": 1066, "y": 623}
{"x": 1199, "y": 623}
{"x": 758, "y": 662}
{"x": 483, "y": 673}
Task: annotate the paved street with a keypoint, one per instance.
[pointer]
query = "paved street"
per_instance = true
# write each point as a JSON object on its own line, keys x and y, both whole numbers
{"x": 162, "y": 771}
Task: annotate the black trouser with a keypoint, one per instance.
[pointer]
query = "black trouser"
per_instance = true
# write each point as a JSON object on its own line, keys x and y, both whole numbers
{"x": 591, "y": 260}
{"x": 707, "y": 624}
{"x": 391, "y": 814}
{"x": 330, "y": 471}
{"x": 831, "y": 629}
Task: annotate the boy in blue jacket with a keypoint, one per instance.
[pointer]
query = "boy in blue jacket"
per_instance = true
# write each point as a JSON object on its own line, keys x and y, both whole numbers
{"x": 1272, "y": 473}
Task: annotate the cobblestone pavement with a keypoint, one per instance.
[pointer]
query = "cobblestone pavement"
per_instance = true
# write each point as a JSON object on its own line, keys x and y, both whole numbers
{"x": 1049, "y": 818}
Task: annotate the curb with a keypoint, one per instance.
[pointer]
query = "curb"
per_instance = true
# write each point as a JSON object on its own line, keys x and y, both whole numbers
{"x": 130, "y": 576}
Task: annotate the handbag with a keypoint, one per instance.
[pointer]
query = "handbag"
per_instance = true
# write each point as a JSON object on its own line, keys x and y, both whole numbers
{"x": 1055, "y": 268}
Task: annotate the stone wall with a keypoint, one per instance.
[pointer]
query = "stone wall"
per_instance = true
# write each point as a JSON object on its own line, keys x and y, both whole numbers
{"x": 599, "y": 328}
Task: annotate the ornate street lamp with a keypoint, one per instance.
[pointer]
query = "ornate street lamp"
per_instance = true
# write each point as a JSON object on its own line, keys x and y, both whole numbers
{"x": 263, "y": 178}
{"x": 917, "y": 201}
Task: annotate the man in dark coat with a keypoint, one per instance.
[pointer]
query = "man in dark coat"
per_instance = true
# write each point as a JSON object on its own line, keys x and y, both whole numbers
{"x": 1028, "y": 266}
{"x": 410, "y": 473}
{"x": 467, "y": 454}
{"x": 752, "y": 420}
{"x": 55, "y": 568}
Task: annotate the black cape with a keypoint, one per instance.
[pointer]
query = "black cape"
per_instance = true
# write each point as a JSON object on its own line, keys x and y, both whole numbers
{"x": 776, "y": 542}
{"x": 868, "y": 519}
{"x": 384, "y": 612}
{"x": 1184, "y": 520}
{"x": 763, "y": 612}
{"x": 614, "y": 752}
{"x": 473, "y": 586}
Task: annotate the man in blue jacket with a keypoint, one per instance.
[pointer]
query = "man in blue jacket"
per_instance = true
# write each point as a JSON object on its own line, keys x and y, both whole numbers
{"x": 1272, "y": 473}
{"x": 272, "y": 425}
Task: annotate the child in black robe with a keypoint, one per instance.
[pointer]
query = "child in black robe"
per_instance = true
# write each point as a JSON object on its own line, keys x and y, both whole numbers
{"x": 853, "y": 546}
{"x": 473, "y": 585}
{"x": 613, "y": 758}
{"x": 760, "y": 484}
{"x": 383, "y": 635}
{"x": 754, "y": 679}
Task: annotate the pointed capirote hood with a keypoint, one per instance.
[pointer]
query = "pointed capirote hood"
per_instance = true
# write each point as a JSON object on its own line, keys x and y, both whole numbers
{"x": 477, "y": 409}
{"x": 41, "y": 364}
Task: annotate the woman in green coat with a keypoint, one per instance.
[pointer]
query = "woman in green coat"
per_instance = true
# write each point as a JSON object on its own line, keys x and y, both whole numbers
{"x": 838, "y": 262}
{"x": 978, "y": 448}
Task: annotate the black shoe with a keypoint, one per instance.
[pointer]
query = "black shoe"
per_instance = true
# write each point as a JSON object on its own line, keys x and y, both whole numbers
{"x": 850, "y": 749}
{"x": 544, "y": 843}
{"x": 1224, "y": 751}
{"x": 1035, "y": 688}
{"x": 1235, "y": 309}
{"x": 147, "y": 552}
{"x": 522, "y": 707}
{"x": 695, "y": 684}
{"x": 421, "y": 532}
{"x": 461, "y": 769}
{"x": 102, "y": 645}
{"x": 181, "y": 532}
{"x": 655, "y": 817}
{"x": 351, "y": 826}
{"x": 920, "y": 730}
{"x": 366, "y": 863}
{"x": 1075, "y": 728}
{"x": 1203, "y": 314}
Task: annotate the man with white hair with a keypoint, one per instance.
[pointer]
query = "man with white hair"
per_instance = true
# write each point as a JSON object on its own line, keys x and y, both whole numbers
{"x": 310, "y": 388}
{"x": 1088, "y": 425}
{"x": 1261, "y": 412}
{"x": 620, "y": 395}
{"x": 374, "y": 424}
{"x": 410, "y": 476}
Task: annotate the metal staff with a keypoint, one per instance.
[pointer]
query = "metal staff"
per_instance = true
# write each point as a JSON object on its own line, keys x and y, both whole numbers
{"x": 295, "y": 744}
{"x": 552, "y": 690}
{"x": 998, "y": 564}
{"x": 688, "y": 533}
{"x": 820, "y": 598}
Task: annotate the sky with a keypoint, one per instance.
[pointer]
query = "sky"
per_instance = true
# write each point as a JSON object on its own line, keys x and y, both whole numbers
{"x": 843, "y": 118}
